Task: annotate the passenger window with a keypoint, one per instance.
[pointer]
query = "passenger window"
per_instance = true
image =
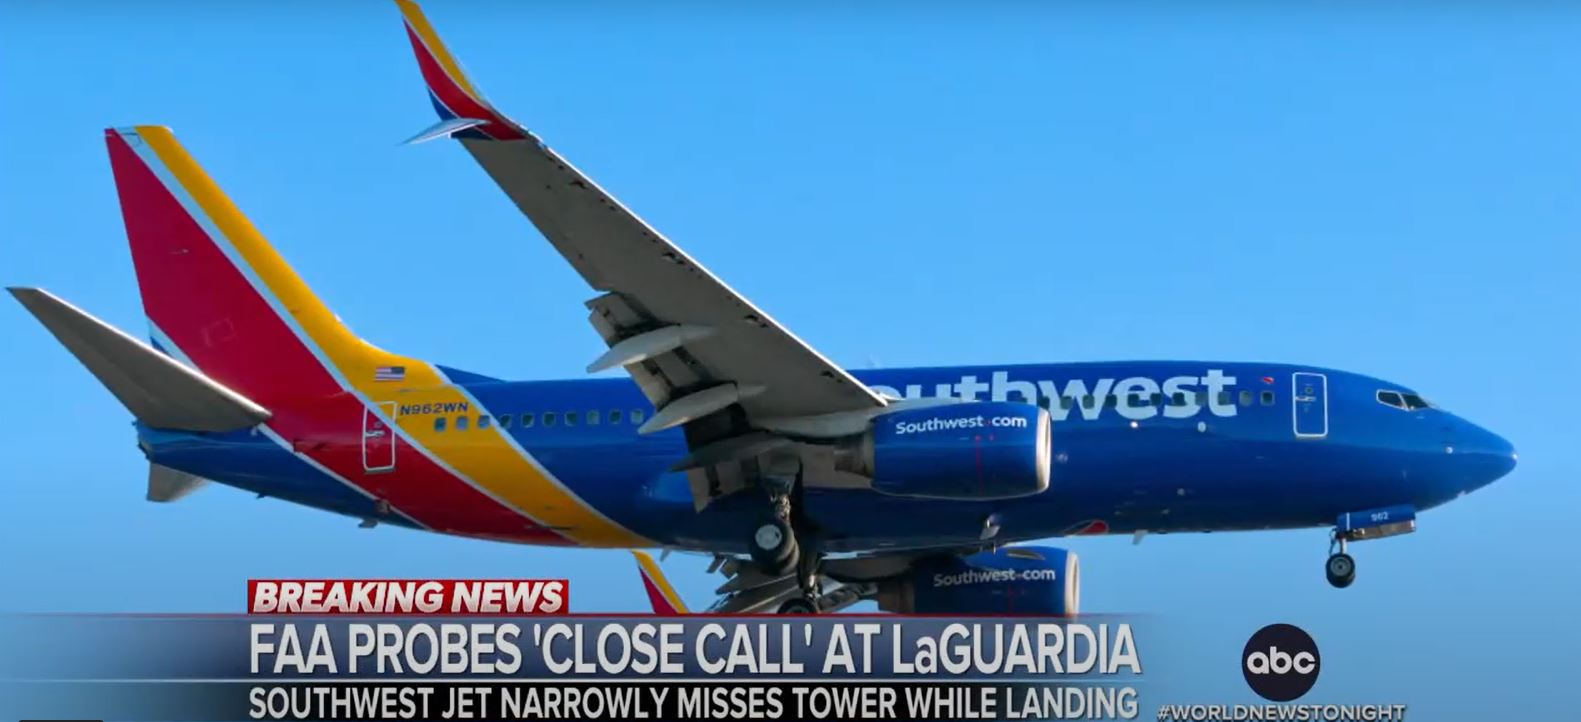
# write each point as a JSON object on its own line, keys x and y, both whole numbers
{"x": 1066, "y": 402}
{"x": 1155, "y": 399}
{"x": 439, "y": 423}
{"x": 527, "y": 420}
{"x": 592, "y": 418}
{"x": 1087, "y": 401}
{"x": 636, "y": 416}
{"x": 1177, "y": 399}
{"x": 548, "y": 418}
{"x": 614, "y": 416}
{"x": 461, "y": 423}
{"x": 483, "y": 422}
{"x": 1202, "y": 398}
{"x": 1391, "y": 398}
{"x": 1224, "y": 398}
{"x": 1246, "y": 398}
{"x": 505, "y": 421}
{"x": 1268, "y": 398}
{"x": 570, "y": 418}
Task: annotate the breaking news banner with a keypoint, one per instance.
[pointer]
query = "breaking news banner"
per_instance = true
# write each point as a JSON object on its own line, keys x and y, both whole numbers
{"x": 509, "y": 649}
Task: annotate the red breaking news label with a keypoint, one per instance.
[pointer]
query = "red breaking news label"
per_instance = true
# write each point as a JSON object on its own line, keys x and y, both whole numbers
{"x": 408, "y": 596}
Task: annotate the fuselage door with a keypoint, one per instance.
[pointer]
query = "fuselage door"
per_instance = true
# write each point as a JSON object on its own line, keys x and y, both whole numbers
{"x": 378, "y": 439}
{"x": 1309, "y": 404}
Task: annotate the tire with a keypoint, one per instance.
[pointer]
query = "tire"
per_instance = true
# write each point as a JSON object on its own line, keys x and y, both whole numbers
{"x": 796, "y": 606}
{"x": 1340, "y": 570}
{"x": 788, "y": 566}
{"x": 773, "y": 547}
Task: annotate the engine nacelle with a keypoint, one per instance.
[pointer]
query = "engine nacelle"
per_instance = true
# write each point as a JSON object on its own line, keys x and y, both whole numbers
{"x": 1010, "y": 580}
{"x": 969, "y": 451}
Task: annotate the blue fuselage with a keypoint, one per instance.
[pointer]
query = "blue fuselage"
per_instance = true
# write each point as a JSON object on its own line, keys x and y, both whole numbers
{"x": 1160, "y": 446}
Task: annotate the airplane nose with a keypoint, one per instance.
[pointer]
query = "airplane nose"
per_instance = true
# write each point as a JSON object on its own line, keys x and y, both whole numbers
{"x": 1487, "y": 455}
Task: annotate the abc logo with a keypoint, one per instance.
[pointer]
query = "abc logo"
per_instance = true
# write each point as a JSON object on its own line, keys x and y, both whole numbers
{"x": 1280, "y": 662}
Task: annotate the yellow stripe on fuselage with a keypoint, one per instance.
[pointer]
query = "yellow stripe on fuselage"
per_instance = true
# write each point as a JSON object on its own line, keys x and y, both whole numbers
{"x": 486, "y": 459}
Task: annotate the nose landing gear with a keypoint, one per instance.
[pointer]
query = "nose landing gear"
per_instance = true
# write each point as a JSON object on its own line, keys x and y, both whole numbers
{"x": 1340, "y": 568}
{"x": 1361, "y": 526}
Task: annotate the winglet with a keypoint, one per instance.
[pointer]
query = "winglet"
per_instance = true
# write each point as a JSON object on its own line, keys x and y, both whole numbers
{"x": 453, "y": 95}
{"x": 166, "y": 484}
{"x": 443, "y": 129}
{"x": 660, "y": 594}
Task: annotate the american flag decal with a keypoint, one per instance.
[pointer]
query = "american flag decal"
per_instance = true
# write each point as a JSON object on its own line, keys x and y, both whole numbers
{"x": 389, "y": 373}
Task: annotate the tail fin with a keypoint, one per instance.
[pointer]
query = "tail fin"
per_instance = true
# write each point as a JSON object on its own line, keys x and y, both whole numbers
{"x": 661, "y": 595}
{"x": 217, "y": 295}
{"x": 214, "y": 290}
{"x": 463, "y": 112}
{"x": 158, "y": 390}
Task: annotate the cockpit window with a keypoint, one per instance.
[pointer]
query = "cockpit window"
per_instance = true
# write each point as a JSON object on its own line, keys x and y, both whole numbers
{"x": 1391, "y": 398}
{"x": 1414, "y": 402}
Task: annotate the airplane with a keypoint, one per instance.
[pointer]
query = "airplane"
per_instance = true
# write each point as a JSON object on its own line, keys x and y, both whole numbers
{"x": 728, "y": 436}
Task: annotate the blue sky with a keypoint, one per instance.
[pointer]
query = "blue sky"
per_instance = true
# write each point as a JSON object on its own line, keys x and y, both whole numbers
{"x": 1391, "y": 191}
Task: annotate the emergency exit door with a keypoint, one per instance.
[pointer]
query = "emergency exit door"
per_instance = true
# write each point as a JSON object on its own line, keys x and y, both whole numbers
{"x": 378, "y": 439}
{"x": 1309, "y": 404}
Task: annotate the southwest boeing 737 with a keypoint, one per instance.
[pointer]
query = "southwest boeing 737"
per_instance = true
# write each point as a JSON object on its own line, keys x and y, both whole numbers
{"x": 812, "y": 486}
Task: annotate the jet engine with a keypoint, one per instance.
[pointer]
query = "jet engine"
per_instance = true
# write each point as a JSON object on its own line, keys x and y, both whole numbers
{"x": 1010, "y": 580}
{"x": 970, "y": 451}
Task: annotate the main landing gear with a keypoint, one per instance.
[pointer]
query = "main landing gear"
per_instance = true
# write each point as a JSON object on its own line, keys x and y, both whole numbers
{"x": 1340, "y": 568}
{"x": 776, "y": 546}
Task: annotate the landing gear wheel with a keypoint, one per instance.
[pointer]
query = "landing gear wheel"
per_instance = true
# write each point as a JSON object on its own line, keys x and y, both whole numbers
{"x": 1341, "y": 570}
{"x": 773, "y": 546}
{"x": 798, "y": 606}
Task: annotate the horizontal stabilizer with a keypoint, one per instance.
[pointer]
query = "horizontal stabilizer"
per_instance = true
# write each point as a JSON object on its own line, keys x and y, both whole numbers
{"x": 167, "y": 484}
{"x": 157, "y": 389}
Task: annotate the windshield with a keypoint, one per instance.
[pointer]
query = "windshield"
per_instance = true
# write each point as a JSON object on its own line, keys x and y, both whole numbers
{"x": 1403, "y": 400}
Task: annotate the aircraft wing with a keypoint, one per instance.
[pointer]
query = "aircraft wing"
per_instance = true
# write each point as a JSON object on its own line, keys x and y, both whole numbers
{"x": 695, "y": 346}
